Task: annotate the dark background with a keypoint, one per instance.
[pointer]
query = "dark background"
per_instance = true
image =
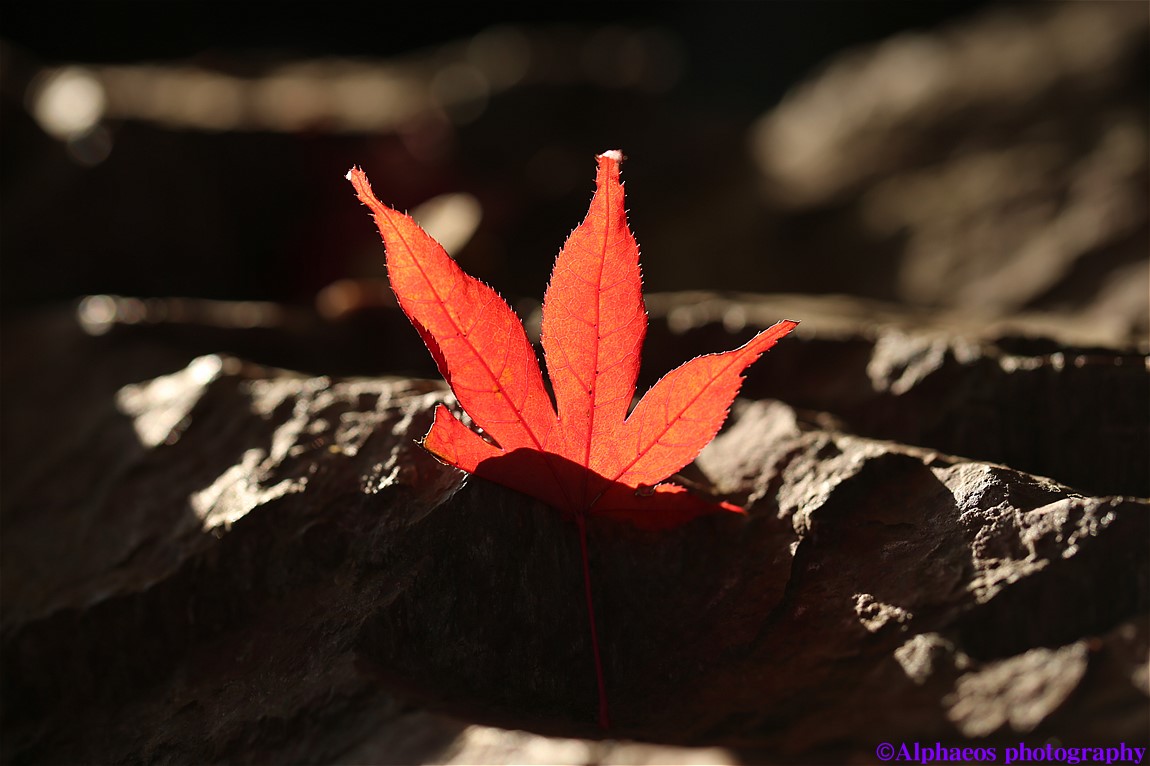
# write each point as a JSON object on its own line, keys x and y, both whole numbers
{"x": 267, "y": 214}
{"x": 980, "y": 168}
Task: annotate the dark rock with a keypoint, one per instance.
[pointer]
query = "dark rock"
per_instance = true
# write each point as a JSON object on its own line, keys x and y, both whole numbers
{"x": 1037, "y": 392}
{"x": 233, "y": 562}
{"x": 995, "y": 165}
{"x": 222, "y": 543}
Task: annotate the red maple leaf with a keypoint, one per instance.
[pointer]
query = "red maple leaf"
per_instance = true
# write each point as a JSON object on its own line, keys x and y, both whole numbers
{"x": 581, "y": 454}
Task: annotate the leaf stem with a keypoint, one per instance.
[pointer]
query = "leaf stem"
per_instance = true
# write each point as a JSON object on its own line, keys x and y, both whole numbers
{"x": 604, "y": 721}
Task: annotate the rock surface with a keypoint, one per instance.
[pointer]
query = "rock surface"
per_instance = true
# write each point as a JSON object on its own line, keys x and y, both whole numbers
{"x": 995, "y": 165}
{"x": 209, "y": 559}
{"x": 221, "y": 542}
{"x": 1038, "y": 392}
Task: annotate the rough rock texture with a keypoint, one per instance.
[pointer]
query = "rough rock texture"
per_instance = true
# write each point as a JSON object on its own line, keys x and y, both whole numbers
{"x": 221, "y": 543}
{"x": 209, "y": 559}
{"x": 1038, "y": 392}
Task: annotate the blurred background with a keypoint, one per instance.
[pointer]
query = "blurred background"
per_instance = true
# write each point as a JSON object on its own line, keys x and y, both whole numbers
{"x": 989, "y": 158}
{"x": 951, "y": 197}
